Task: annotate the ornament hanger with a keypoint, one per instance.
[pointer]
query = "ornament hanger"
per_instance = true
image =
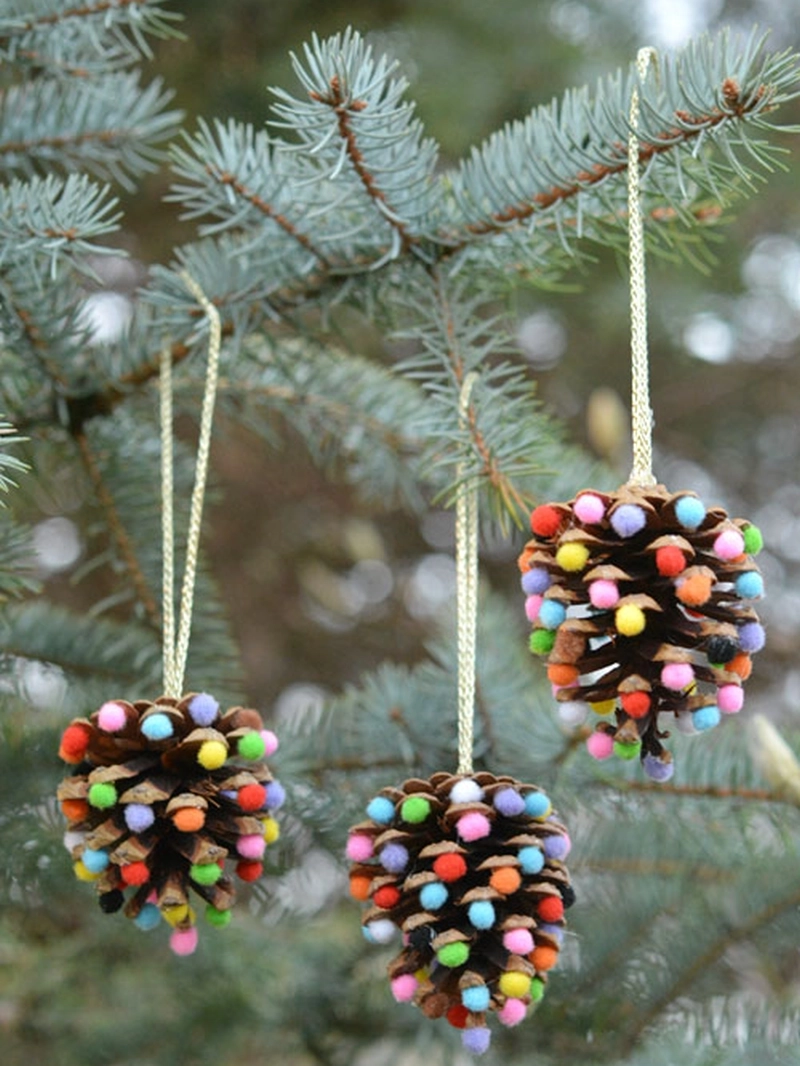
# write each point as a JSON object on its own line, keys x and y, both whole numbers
{"x": 466, "y": 592}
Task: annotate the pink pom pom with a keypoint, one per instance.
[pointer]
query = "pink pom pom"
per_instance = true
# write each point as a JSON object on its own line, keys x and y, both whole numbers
{"x": 473, "y": 826}
{"x": 251, "y": 846}
{"x": 730, "y": 698}
{"x": 111, "y": 717}
{"x": 729, "y": 544}
{"x": 512, "y": 1012}
{"x": 518, "y": 941}
{"x": 152, "y": 897}
{"x": 600, "y": 745}
{"x": 359, "y": 847}
{"x": 589, "y": 508}
{"x": 603, "y": 594}
{"x": 677, "y": 676}
{"x": 270, "y": 742}
{"x": 532, "y": 605}
{"x": 404, "y": 987}
{"x": 184, "y": 941}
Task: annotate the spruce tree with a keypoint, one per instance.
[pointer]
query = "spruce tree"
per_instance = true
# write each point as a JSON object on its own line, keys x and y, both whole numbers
{"x": 688, "y": 893}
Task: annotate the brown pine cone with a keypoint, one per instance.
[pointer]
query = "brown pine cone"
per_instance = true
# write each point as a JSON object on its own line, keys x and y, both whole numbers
{"x": 471, "y": 870}
{"x": 638, "y": 601}
{"x": 165, "y": 792}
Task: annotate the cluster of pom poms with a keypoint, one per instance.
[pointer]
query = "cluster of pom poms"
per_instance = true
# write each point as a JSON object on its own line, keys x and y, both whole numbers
{"x": 640, "y": 604}
{"x": 471, "y": 871}
{"x": 163, "y": 794}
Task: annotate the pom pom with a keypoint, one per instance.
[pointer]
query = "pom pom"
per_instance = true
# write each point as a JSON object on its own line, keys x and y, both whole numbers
{"x": 449, "y": 867}
{"x": 74, "y": 742}
{"x": 138, "y": 817}
{"x": 508, "y": 802}
{"x": 453, "y": 955}
{"x": 111, "y": 902}
{"x": 537, "y": 805}
{"x": 670, "y": 560}
{"x": 544, "y": 958}
{"x": 75, "y": 810}
{"x": 518, "y": 941}
{"x": 103, "y": 795}
{"x": 394, "y": 858}
{"x": 721, "y": 649}
{"x": 251, "y": 746}
{"x": 205, "y": 873}
{"x": 657, "y": 768}
{"x": 677, "y": 676}
{"x": 694, "y": 590}
{"x": 753, "y": 541}
{"x": 536, "y": 581}
{"x": 270, "y": 742}
{"x": 557, "y": 846}
{"x": 542, "y": 641}
{"x": 272, "y": 830}
{"x": 218, "y": 918}
{"x": 379, "y": 931}
{"x": 251, "y": 797}
{"x": 604, "y": 706}
{"x": 550, "y": 909}
{"x": 505, "y": 880}
{"x": 111, "y": 717}
{"x": 95, "y": 861}
{"x": 545, "y": 521}
{"x": 188, "y": 819}
{"x": 148, "y": 918}
{"x": 433, "y": 896}
{"x": 203, "y": 709}
{"x": 635, "y": 704}
{"x": 751, "y": 638}
{"x": 730, "y": 699}
{"x": 83, "y": 873}
{"x": 415, "y": 810}
{"x": 212, "y": 754}
{"x": 729, "y": 544}
{"x": 466, "y": 791}
{"x": 380, "y": 809}
{"x": 690, "y": 512}
{"x": 457, "y": 1016}
{"x": 251, "y": 846}
{"x": 184, "y": 941}
{"x": 403, "y": 987}
{"x": 476, "y": 998}
{"x": 512, "y": 1012}
{"x": 157, "y": 727}
{"x": 572, "y": 556}
{"x": 627, "y": 750}
{"x": 603, "y": 594}
{"x": 532, "y": 607}
{"x": 600, "y": 745}
{"x": 476, "y": 1040}
{"x": 481, "y": 914}
{"x": 531, "y": 859}
{"x": 573, "y": 713}
{"x": 359, "y": 848}
{"x": 589, "y": 508}
{"x": 247, "y": 870}
{"x": 750, "y": 585}
{"x": 386, "y": 897}
{"x": 628, "y": 519}
{"x": 473, "y": 826}
{"x": 360, "y": 886}
{"x": 515, "y": 984}
{"x": 630, "y": 620}
{"x": 705, "y": 717}
{"x": 552, "y": 614}
{"x": 135, "y": 873}
{"x": 741, "y": 664}
{"x": 275, "y": 796}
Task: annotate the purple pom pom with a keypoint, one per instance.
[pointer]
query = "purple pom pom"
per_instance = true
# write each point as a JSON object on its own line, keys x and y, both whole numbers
{"x": 556, "y": 931}
{"x": 394, "y": 858}
{"x": 535, "y": 581}
{"x": 656, "y": 769}
{"x": 509, "y": 802}
{"x": 557, "y": 846}
{"x": 203, "y": 709}
{"x": 476, "y": 1040}
{"x": 628, "y": 519}
{"x": 276, "y": 795}
{"x": 751, "y": 637}
{"x": 138, "y": 817}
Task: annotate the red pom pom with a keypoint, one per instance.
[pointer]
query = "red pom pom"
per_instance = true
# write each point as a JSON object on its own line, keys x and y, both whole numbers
{"x": 386, "y": 897}
{"x": 135, "y": 873}
{"x": 251, "y": 797}
{"x": 545, "y": 521}
{"x": 670, "y": 561}
{"x": 249, "y": 871}
{"x": 550, "y": 909}
{"x": 74, "y": 742}
{"x": 457, "y": 1016}
{"x": 449, "y": 867}
{"x": 635, "y": 704}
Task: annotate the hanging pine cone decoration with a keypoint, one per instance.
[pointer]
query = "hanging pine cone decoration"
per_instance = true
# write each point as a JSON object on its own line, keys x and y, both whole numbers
{"x": 639, "y": 603}
{"x": 164, "y": 793}
{"x": 471, "y": 870}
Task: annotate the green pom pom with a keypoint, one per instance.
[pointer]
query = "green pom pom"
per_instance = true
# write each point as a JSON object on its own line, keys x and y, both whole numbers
{"x": 537, "y": 989}
{"x": 218, "y": 918}
{"x": 251, "y": 746}
{"x": 102, "y": 795}
{"x": 205, "y": 873}
{"x": 627, "y": 751}
{"x": 542, "y": 641}
{"x": 753, "y": 540}
{"x": 452, "y": 955}
{"x": 415, "y": 809}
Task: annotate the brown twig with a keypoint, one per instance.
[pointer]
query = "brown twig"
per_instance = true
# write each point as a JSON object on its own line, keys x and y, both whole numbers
{"x": 709, "y": 791}
{"x": 62, "y": 140}
{"x": 81, "y": 11}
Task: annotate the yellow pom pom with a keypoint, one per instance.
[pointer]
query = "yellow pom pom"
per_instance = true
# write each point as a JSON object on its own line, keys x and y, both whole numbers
{"x": 175, "y": 915}
{"x": 422, "y": 975}
{"x": 212, "y": 754}
{"x": 630, "y": 620}
{"x": 271, "y": 830}
{"x": 515, "y": 985}
{"x": 603, "y": 706}
{"x": 572, "y": 557}
{"x": 83, "y": 873}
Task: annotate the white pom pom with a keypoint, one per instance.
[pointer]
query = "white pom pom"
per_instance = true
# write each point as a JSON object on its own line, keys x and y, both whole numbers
{"x": 466, "y": 791}
{"x": 573, "y": 713}
{"x": 381, "y": 931}
{"x": 685, "y": 724}
{"x": 72, "y": 838}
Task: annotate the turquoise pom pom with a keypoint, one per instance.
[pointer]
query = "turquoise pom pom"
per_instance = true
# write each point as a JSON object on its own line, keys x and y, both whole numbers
{"x": 537, "y": 805}
{"x": 433, "y": 896}
{"x": 552, "y": 614}
{"x": 95, "y": 861}
{"x": 481, "y": 914}
{"x": 147, "y": 918}
{"x": 690, "y": 512}
{"x": 750, "y": 585}
{"x": 476, "y": 998}
{"x": 380, "y": 809}
{"x": 531, "y": 859}
{"x": 706, "y": 717}
{"x": 157, "y": 727}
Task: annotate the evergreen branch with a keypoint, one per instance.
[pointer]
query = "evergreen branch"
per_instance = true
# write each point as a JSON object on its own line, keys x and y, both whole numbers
{"x": 9, "y": 462}
{"x": 710, "y": 791}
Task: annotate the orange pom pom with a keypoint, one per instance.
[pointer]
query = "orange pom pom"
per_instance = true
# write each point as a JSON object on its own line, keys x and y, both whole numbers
{"x": 359, "y": 887}
{"x": 189, "y": 819}
{"x": 506, "y": 880}
{"x": 562, "y": 673}
{"x": 74, "y": 742}
{"x": 544, "y": 957}
{"x": 694, "y": 590}
{"x": 740, "y": 664}
{"x": 74, "y": 809}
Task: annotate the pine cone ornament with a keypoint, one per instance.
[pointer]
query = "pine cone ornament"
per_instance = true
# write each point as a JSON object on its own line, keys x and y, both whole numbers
{"x": 470, "y": 869}
{"x": 164, "y": 793}
{"x": 639, "y": 601}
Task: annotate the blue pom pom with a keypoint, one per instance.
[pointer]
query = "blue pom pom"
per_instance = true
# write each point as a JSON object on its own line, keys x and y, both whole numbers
{"x": 476, "y": 998}
{"x": 481, "y": 914}
{"x": 203, "y": 709}
{"x": 552, "y": 614}
{"x": 433, "y": 896}
{"x": 95, "y": 861}
{"x": 276, "y": 795}
{"x": 706, "y": 717}
{"x": 380, "y": 809}
{"x": 750, "y": 585}
{"x": 537, "y": 805}
{"x": 628, "y": 519}
{"x": 690, "y": 512}
{"x": 147, "y": 918}
{"x": 157, "y": 727}
{"x": 531, "y": 859}
{"x": 751, "y": 637}
{"x": 476, "y": 1040}
{"x": 138, "y": 817}
{"x": 535, "y": 581}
